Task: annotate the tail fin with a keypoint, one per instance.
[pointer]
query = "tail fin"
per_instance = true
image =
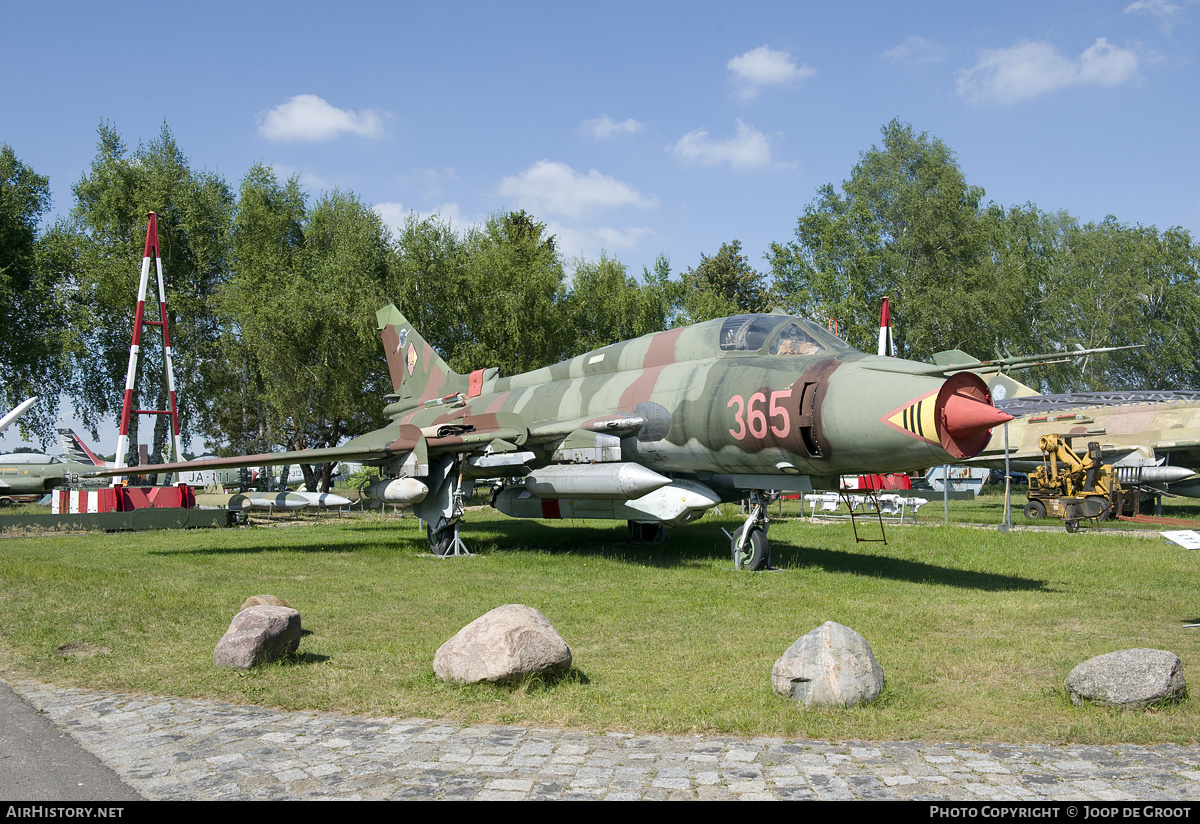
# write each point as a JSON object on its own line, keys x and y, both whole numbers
{"x": 75, "y": 449}
{"x": 417, "y": 370}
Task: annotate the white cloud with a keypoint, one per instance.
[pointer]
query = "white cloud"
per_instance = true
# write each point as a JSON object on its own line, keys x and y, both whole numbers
{"x": 569, "y": 203}
{"x": 1031, "y": 68}
{"x": 308, "y": 117}
{"x": 395, "y": 215}
{"x": 1162, "y": 9}
{"x": 308, "y": 179}
{"x": 589, "y": 241}
{"x": 916, "y": 49}
{"x": 555, "y": 189}
{"x": 604, "y": 127}
{"x": 748, "y": 149}
{"x": 763, "y": 67}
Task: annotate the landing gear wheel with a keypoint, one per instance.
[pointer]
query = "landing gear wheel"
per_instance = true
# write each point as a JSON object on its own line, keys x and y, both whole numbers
{"x": 756, "y": 554}
{"x": 1035, "y": 510}
{"x": 440, "y": 543}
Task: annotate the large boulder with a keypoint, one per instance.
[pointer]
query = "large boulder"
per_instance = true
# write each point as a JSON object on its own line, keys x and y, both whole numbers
{"x": 831, "y": 666}
{"x": 256, "y": 635}
{"x": 503, "y": 646}
{"x": 1130, "y": 679}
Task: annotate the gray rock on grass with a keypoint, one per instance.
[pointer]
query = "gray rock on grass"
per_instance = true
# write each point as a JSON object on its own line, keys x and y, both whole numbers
{"x": 831, "y": 666}
{"x": 1130, "y": 679}
{"x": 256, "y": 635}
{"x": 502, "y": 646}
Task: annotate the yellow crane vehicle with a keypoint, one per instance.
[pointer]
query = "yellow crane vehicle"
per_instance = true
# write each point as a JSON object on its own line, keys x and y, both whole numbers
{"x": 1072, "y": 486}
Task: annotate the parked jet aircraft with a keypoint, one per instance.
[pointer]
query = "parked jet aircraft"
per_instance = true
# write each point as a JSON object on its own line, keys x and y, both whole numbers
{"x": 32, "y": 474}
{"x": 659, "y": 429}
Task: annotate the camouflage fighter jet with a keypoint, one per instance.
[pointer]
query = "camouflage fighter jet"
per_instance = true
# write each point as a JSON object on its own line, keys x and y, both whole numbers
{"x": 657, "y": 430}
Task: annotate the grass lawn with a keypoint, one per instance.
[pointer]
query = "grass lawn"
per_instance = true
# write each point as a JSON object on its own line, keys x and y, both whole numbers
{"x": 975, "y": 630}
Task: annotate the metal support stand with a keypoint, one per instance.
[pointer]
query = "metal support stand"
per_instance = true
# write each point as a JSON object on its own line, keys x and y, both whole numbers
{"x": 457, "y": 547}
{"x": 1006, "y": 522}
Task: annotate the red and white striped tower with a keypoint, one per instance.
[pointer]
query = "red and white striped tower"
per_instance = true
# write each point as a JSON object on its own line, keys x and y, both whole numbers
{"x": 887, "y": 346}
{"x": 139, "y": 321}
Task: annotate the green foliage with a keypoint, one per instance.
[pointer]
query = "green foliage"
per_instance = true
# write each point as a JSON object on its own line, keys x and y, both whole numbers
{"x": 724, "y": 284}
{"x": 513, "y": 285}
{"x": 904, "y": 225}
{"x": 30, "y": 342}
{"x": 302, "y": 367}
{"x": 362, "y": 477}
{"x": 429, "y": 270}
{"x": 607, "y": 305}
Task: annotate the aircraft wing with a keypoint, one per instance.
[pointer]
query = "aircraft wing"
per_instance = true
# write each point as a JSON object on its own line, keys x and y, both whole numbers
{"x": 468, "y": 433}
{"x": 407, "y": 439}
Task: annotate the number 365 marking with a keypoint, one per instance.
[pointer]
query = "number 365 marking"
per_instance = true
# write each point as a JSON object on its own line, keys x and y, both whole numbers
{"x": 752, "y": 419}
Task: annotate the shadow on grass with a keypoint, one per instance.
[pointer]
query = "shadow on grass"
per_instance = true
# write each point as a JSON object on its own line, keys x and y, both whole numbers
{"x": 532, "y": 684}
{"x": 684, "y": 549}
{"x": 317, "y": 547}
{"x": 298, "y": 659}
{"x": 899, "y": 569}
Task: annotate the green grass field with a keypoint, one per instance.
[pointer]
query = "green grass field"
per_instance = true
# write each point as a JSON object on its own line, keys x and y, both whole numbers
{"x": 975, "y": 630}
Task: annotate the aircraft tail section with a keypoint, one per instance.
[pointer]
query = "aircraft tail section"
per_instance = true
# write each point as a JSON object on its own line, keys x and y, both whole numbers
{"x": 418, "y": 372}
{"x": 75, "y": 449}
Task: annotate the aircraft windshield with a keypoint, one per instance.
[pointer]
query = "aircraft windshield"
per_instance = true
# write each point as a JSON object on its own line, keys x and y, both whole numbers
{"x": 803, "y": 338}
{"x": 745, "y": 333}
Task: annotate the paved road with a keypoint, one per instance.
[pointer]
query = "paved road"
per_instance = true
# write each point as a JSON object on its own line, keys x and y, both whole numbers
{"x": 40, "y": 762}
{"x": 174, "y": 748}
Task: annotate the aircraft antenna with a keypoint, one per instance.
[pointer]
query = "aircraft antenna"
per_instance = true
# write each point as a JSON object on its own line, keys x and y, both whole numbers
{"x": 139, "y": 320}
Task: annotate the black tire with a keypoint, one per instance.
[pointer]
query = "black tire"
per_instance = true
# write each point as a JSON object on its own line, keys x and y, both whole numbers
{"x": 758, "y": 549}
{"x": 440, "y": 543}
{"x": 1035, "y": 510}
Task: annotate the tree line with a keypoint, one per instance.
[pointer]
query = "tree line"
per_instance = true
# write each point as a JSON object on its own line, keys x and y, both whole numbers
{"x": 272, "y": 293}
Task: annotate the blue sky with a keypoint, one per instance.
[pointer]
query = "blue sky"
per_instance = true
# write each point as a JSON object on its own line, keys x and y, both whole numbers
{"x": 629, "y": 128}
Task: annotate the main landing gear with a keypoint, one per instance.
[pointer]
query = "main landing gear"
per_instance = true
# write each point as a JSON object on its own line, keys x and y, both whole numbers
{"x": 749, "y": 545}
{"x": 442, "y": 509}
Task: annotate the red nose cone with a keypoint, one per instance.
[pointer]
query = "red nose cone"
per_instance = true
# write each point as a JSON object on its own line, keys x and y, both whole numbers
{"x": 965, "y": 416}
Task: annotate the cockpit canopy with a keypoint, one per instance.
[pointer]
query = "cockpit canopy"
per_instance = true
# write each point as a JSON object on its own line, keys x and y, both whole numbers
{"x": 28, "y": 458}
{"x": 783, "y": 335}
